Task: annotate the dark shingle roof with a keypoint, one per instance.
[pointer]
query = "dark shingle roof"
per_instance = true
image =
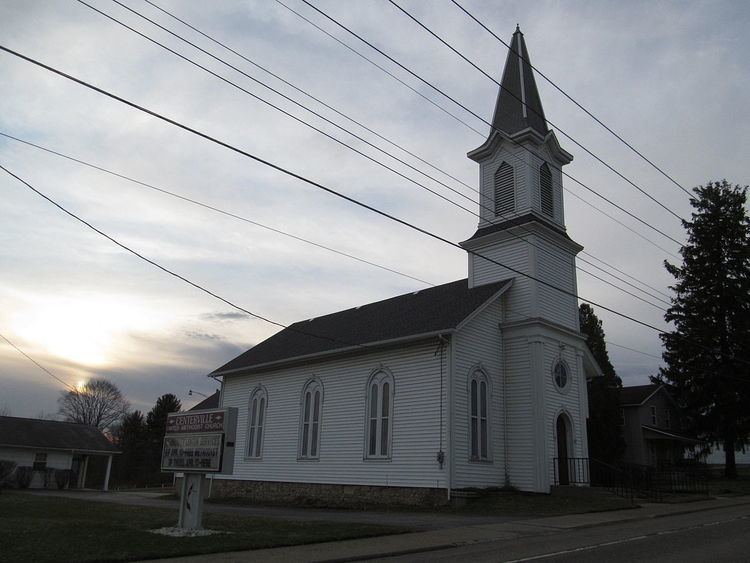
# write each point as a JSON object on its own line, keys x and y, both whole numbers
{"x": 210, "y": 402}
{"x": 52, "y": 434}
{"x": 636, "y": 394}
{"x": 430, "y": 310}
{"x": 515, "y": 222}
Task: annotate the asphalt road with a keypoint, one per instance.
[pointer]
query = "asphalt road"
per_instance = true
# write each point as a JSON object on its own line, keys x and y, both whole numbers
{"x": 713, "y": 536}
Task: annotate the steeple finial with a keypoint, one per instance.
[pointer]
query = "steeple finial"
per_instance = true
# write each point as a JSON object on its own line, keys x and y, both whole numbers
{"x": 518, "y": 104}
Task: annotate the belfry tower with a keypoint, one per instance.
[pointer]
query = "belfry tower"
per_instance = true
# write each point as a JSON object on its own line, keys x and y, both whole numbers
{"x": 522, "y": 226}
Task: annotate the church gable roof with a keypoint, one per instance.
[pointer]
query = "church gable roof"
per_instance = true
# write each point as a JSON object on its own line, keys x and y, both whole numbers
{"x": 431, "y": 310}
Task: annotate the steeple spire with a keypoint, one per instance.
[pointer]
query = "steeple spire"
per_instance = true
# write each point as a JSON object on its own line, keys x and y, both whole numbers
{"x": 518, "y": 105}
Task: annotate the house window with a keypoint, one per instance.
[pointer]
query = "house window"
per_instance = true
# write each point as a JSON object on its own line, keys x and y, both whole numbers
{"x": 379, "y": 415}
{"x": 478, "y": 408}
{"x": 40, "y": 461}
{"x": 504, "y": 190}
{"x": 545, "y": 189}
{"x": 653, "y": 417}
{"x": 310, "y": 414}
{"x": 256, "y": 422}
{"x": 622, "y": 417}
{"x": 668, "y": 419}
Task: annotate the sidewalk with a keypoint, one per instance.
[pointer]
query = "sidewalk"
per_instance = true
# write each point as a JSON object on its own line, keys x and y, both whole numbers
{"x": 384, "y": 546}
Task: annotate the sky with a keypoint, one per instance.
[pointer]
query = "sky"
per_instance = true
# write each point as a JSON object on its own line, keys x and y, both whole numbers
{"x": 671, "y": 78}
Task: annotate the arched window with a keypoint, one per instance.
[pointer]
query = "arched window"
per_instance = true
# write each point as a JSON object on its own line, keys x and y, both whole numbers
{"x": 256, "y": 418}
{"x": 478, "y": 415}
{"x": 545, "y": 189}
{"x": 505, "y": 201}
{"x": 310, "y": 415}
{"x": 379, "y": 415}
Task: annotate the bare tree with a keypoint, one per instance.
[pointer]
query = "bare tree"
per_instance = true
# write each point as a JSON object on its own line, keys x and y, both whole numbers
{"x": 98, "y": 402}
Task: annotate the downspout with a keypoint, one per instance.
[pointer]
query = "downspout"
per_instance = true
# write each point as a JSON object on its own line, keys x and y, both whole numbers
{"x": 451, "y": 370}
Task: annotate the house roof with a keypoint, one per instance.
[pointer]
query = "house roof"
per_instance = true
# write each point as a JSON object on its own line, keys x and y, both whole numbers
{"x": 653, "y": 433}
{"x": 422, "y": 312}
{"x": 210, "y": 402}
{"x": 52, "y": 435}
{"x": 637, "y": 394}
{"x": 518, "y": 104}
{"x": 515, "y": 222}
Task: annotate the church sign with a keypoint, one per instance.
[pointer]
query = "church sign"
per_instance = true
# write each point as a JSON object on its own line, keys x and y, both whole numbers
{"x": 200, "y": 441}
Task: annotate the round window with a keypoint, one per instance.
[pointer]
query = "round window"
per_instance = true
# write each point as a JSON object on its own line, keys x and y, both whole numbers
{"x": 560, "y": 375}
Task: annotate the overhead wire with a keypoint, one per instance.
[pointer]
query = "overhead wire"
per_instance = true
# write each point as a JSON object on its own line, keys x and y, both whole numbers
{"x": 532, "y": 109}
{"x": 492, "y": 127}
{"x": 595, "y": 276}
{"x": 382, "y": 137}
{"x": 214, "y": 208}
{"x": 387, "y": 72}
{"x": 576, "y": 102}
{"x": 37, "y": 364}
{"x": 313, "y": 183}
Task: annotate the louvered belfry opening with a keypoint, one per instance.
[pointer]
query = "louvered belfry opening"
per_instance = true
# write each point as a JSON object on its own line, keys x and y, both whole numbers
{"x": 504, "y": 191}
{"x": 545, "y": 189}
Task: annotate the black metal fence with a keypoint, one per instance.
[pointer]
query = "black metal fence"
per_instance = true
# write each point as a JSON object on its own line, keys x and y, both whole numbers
{"x": 631, "y": 480}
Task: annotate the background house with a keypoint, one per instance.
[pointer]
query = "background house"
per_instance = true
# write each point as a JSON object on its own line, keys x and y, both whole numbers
{"x": 51, "y": 444}
{"x": 651, "y": 426}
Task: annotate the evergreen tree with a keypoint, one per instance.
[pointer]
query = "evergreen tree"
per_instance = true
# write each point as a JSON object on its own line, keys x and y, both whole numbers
{"x": 706, "y": 357}
{"x": 604, "y": 429}
{"x": 132, "y": 438}
{"x": 156, "y": 426}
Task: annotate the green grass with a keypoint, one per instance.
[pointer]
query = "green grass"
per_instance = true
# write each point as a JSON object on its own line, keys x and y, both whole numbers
{"x": 37, "y": 528}
{"x": 730, "y": 487}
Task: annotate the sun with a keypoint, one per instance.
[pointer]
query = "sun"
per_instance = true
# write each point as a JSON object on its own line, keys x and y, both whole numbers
{"x": 84, "y": 330}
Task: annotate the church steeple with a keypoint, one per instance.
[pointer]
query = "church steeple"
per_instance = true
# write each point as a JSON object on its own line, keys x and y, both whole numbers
{"x": 518, "y": 104}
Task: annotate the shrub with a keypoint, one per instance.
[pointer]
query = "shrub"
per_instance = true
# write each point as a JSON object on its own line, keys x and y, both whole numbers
{"x": 48, "y": 475}
{"x": 24, "y": 474}
{"x": 6, "y": 470}
{"x": 62, "y": 477}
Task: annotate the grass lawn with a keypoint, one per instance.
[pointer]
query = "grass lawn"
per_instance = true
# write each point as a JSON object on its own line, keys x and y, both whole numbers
{"x": 730, "y": 487}
{"x": 37, "y": 528}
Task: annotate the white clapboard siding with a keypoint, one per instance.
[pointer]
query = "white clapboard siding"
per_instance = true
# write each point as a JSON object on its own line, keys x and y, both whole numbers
{"x": 478, "y": 343}
{"x": 556, "y": 266}
{"x": 516, "y": 254}
{"x": 25, "y": 457}
{"x": 520, "y": 432}
{"x": 415, "y": 426}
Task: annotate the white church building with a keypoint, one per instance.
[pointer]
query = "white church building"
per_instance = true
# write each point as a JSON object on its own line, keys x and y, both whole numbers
{"x": 478, "y": 383}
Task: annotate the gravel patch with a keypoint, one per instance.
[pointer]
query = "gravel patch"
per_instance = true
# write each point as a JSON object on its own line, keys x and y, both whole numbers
{"x": 184, "y": 532}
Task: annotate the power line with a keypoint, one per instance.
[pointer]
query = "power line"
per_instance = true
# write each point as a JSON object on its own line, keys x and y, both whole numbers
{"x": 37, "y": 364}
{"x": 387, "y": 72}
{"x": 213, "y": 208}
{"x": 164, "y": 268}
{"x": 492, "y": 127}
{"x": 355, "y": 150}
{"x": 312, "y": 97}
{"x": 380, "y": 136}
{"x": 528, "y": 107}
{"x": 564, "y": 93}
{"x": 302, "y": 179}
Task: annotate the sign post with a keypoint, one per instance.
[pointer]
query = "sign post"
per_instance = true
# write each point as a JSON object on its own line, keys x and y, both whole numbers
{"x": 197, "y": 443}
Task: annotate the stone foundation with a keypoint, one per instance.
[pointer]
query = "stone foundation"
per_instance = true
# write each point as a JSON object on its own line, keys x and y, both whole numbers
{"x": 319, "y": 494}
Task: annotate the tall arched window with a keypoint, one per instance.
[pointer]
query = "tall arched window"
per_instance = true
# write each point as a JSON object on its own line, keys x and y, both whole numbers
{"x": 310, "y": 417}
{"x": 256, "y": 420}
{"x": 478, "y": 415}
{"x": 545, "y": 189}
{"x": 505, "y": 201}
{"x": 379, "y": 415}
